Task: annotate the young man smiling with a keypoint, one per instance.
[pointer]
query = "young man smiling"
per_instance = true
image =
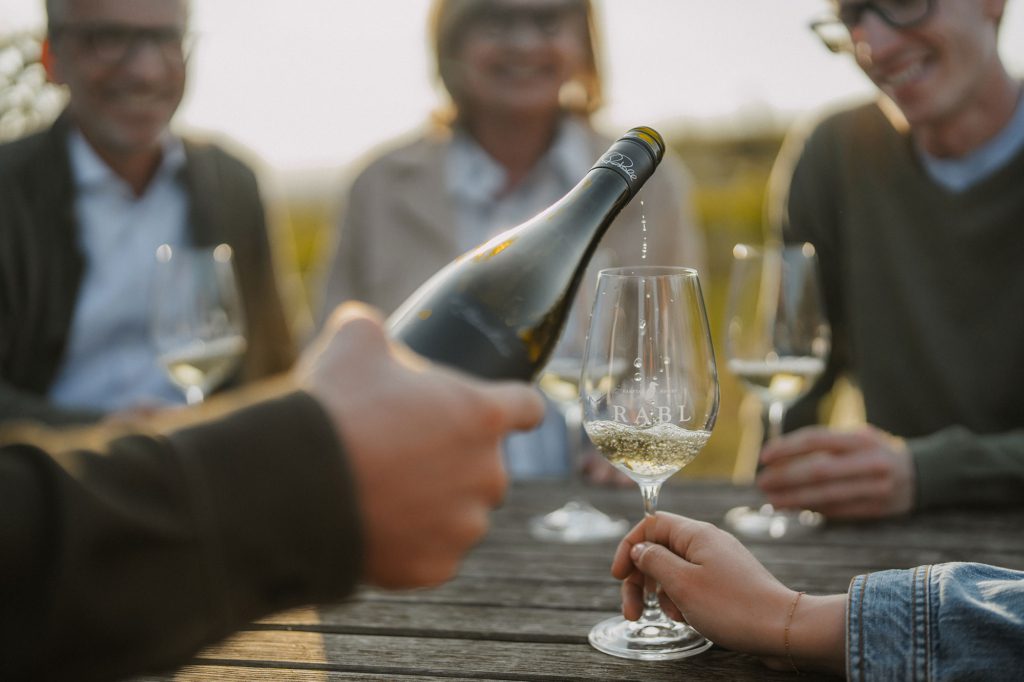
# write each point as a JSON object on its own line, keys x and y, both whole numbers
{"x": 914, "y": 205}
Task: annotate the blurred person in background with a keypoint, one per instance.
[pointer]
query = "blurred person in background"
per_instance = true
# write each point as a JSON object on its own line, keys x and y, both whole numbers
{"x": 914, "y": 205}
{"x": 523, "y": 80}
{"x": 85, "y": 204}
{"x": 130, "y": 557}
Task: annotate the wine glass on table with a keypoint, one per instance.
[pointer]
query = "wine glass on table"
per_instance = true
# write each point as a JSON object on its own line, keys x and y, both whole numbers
{"x": 197, "y": 319}
{"x": 577, "y": 520}
{"x": 777, "y": 341}
{"x": 651, "y": 420}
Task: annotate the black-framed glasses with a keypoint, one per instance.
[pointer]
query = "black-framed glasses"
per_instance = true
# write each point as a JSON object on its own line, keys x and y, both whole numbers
{"x": 112, "y": 44}
{"x": 834, "y": 31}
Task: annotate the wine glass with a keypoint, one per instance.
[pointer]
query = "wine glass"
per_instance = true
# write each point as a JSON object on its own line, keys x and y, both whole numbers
{"x": 777, "y": 341}
{"x": 650, "y": 397}
{"x": 577, "y": 520}
{"x": 197, "y": 320}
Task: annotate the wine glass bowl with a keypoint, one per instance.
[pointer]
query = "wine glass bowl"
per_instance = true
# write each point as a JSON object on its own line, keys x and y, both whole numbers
{"x": 197, "y": 322}
{"x": 649, "y": 392}
{"x": 777, "y": 342}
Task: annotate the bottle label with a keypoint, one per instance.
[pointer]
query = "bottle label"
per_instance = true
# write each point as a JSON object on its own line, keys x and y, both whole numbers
{"x": 620, "y": 161}
{"x": 631, "y": 160}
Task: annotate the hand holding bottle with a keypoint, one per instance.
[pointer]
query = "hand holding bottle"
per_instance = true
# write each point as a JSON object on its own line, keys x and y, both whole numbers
{"x": 423, "y": 442}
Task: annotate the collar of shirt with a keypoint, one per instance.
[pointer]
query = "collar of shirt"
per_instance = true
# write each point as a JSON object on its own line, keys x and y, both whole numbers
{"x": 474, "y": 180}
{"x": 109, "y": 361}
{"x": 960, "y": 174}
{"x": 91, "y": 172}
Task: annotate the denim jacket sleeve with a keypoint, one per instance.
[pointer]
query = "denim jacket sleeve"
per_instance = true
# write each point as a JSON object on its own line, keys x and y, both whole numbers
{"x": 943, "y": 622}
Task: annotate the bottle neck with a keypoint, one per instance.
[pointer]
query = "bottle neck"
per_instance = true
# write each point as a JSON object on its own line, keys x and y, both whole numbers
{"x": 631, "y": 160}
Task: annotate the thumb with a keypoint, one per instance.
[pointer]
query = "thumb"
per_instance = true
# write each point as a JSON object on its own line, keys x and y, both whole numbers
{"x": 658, "y": 562}
{"x": 523, "y": 406}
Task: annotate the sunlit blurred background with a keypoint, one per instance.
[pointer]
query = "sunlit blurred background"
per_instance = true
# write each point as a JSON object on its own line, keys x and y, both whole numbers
{"x": 304, "y": 89}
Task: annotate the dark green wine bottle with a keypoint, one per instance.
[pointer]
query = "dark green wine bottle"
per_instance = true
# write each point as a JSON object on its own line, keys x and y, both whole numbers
{"x": 497, "y": 311}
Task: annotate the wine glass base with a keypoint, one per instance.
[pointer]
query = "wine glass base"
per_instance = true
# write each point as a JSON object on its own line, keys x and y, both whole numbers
{"x": 577, "y": 521}
{"x": 647, "y": 640}
{"x": 767, "y": 523}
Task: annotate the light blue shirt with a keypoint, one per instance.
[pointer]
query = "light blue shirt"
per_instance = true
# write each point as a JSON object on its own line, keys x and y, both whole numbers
{"x": 475, "y": 181}
{"x": 110, "y": 362}
{"x": 960, "y": 174}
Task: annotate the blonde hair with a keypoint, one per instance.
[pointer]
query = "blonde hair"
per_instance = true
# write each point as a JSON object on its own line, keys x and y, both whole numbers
{"x": 448, "y": 22}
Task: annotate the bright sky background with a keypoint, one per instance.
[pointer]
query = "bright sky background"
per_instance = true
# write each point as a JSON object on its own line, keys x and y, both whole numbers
{"x": 314, "y": 84}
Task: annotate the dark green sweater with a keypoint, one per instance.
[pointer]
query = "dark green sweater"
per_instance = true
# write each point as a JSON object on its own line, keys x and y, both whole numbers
{"x": 925, "y": 293}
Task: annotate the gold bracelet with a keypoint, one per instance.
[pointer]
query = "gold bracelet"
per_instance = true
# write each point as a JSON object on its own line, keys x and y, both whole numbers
{"x": 785, "y": 634}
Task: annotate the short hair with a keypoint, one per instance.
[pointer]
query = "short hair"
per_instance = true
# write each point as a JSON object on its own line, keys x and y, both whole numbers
{"x": 448, "y": 22}
{"x": 57, "y": 9}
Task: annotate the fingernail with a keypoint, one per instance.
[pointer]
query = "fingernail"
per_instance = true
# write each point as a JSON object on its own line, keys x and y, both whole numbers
{"x": 638, "y": 550}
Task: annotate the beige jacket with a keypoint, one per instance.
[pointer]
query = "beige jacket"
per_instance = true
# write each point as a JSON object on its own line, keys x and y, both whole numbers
{"x": 398, "y": 225}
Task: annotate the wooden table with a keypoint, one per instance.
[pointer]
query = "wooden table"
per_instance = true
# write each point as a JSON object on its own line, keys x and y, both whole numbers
{"x": 520, "y": 609}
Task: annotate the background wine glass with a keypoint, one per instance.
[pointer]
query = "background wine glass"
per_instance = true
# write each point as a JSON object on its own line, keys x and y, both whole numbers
{"x": 777, "y": 341}
{"x": 197, "y": 323}
{"x": 577, "y": 520}
{"x": 651, "y": 420}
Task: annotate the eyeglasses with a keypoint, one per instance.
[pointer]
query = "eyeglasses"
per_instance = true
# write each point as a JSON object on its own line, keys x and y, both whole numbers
{"x": 834, "y": 31}
{"x": 494, "y": 22}
{"x": 112, "y": 44}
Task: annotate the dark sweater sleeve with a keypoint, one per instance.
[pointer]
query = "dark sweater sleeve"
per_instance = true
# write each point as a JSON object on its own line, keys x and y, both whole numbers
{"x": 131, "y": 559}
{"x": 21, "y": 406}
{"x": 956, "y": 467}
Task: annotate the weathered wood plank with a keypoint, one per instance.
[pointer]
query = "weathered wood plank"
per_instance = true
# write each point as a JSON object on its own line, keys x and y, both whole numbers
{"x": 542, "y": 563}
{"x": 468, "y": 659}
{"x": 442, "y": 620}
{"x": 243, "y": 673}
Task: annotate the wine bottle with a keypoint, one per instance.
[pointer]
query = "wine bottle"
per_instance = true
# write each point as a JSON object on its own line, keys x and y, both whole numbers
{"x": 497, "y": 311}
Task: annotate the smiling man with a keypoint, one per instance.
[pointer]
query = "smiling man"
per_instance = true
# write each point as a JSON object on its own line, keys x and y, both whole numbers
{"x": 914, "y": 204}
{"x": 85, "y": 204}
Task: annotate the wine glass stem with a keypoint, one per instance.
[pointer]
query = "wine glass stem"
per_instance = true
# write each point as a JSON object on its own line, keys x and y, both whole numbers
{"x": 573, "y": 414}
{"x": 652, "y": 609}
{"x": 776, "y": 415}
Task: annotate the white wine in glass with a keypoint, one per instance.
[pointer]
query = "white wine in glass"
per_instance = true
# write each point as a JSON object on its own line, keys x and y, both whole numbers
{"x": 197, "y": 323}
{"x": 652, "y": 419}
{"x": 777, "y": 341}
